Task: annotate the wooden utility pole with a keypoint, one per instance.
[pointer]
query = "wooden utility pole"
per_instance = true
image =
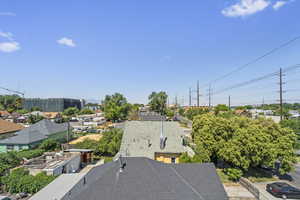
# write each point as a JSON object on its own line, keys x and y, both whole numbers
{"x": 190, "y": 97}
{"x": 280, "y": 95}
{"x": 209, "y": 96}
{"x": 198, "y": 94}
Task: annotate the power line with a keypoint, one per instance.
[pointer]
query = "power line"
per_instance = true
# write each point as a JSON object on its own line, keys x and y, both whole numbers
{"x": 257, "y": 79}
{"x": 254, "y": 60}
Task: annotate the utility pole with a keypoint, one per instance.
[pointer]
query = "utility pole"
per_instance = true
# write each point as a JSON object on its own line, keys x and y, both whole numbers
{"x": 198, "y": 94}
{"x": 190, "y": 97}
{"x": 229, "y": 102}
{"x": 209, "y": 96}
{"x": 280, "y": 95}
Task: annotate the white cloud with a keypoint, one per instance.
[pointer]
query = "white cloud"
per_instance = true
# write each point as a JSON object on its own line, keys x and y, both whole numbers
{"x": 9, "y": 47}
{"x": 7, "y": 35}
{"x": 7, "y": 14}
{"x": 66, "y": 41}
{"x": 279, "y": 4}
{"x": 245, "y": 7}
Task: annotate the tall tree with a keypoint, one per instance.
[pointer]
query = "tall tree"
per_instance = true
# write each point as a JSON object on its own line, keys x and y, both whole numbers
{"x": 243, "y": 142}
{"x": 158, "y": 101}
{"x": 115, "y": 107}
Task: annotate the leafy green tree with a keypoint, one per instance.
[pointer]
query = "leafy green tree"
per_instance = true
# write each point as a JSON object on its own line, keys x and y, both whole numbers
{"x": 110, "y": 143}
{"x": 10, "y": 103}
{"x": 22, "y": 111}
{"x": 88, "y": 144}
{"x": 19, "y": 181}
{"x": 243, "y": 142}
{"x": 115, "y": 107}
{"x": 158, "y": 102}
{"x": 170, "y": 113}
{"x": 221, "y": 108}
{"x": 71, "y": 111}
{"x": 49, "y": 145}
{"x": 86, "y": 111}
{"x": 194, "y": 111}
{"x": 32, "y": 119}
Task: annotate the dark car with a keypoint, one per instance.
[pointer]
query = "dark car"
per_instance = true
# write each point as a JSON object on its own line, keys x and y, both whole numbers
{"x": 283, "y": 190}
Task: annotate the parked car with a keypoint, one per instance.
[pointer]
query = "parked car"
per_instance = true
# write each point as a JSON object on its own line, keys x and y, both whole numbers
{"x": 4, "y": 198}
{"x": 283, "y": 190}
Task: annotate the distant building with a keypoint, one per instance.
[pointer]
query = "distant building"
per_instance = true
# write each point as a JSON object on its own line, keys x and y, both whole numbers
{"x": 34, "y": 135}
{"x": 7, "y": 128}
{"x": 150, "y": 116}
{"x": 138, "y": 179}
{"x": 52, "y": 104}
{"x": 53, "y": 163}
{"x": 161, "y": 141}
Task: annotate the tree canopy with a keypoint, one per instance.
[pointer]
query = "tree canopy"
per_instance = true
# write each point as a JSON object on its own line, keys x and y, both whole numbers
{"x": 243, "y": 142}
{"x": 158, "y": 102}
{"x": 115, "y": 107}
{"x": 71, "y": 111}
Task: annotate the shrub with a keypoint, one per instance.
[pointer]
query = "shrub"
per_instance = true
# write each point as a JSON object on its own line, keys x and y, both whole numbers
{"x": 19, "y": 181}
{"x": 49, "y": 145}
{"x": 233, "y": 174}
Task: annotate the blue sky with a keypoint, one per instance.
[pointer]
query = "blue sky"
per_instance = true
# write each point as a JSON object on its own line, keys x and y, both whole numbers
{"x": 87, "y": 49}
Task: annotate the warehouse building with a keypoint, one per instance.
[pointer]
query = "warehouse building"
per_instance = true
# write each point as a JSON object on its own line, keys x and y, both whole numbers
{"x": 52, "y": 104}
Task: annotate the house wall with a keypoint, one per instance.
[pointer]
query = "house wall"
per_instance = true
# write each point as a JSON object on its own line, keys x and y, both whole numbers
{"x": 17, "y": 147}
{"x": 167, "y": 157}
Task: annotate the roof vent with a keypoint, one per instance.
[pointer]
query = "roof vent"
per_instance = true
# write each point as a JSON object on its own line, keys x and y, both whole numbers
{"x": 162, "y": 143}
{"x": 122, "y": 163}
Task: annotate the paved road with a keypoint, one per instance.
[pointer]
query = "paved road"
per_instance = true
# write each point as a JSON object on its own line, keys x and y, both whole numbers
{"x": 296, "y": 175}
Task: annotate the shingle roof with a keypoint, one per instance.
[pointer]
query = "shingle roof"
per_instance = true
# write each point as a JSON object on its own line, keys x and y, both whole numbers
{"x": 147, "y": 179}
{"x": 138, "y": 134}
{"x": 151, "y": 116}
{"x": 35, "y": 132}
{"x": 9, "y": 127}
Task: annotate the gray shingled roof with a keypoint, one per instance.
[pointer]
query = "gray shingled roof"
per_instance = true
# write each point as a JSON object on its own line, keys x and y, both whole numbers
{"x": 138, "y": 134}
{"x": 147, "y": 179}
{"x": 36, "y": 132}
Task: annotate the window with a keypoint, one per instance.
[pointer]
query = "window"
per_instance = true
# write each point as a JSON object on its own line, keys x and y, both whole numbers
{"x": 173, "y": 160}
{"x": 20, "y": 147}
{"x": 10, "y": 147}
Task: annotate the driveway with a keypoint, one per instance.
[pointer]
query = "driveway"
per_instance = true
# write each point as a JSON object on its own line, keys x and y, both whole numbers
{"x": 296, "y": 175}
{"x": 266, "y": 195}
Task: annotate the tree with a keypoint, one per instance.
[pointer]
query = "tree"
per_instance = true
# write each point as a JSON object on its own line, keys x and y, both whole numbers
{"x": 71, "y": 111}
{"x": 192, "y": 112}
{"x": 49, "y": 145}
{"x": 86, "y": 111}
{"x": 221, "y": 108}
{"x": 158, "y": 101}
{"x": 110, "y": 143}
{"x": 244, "y": 143}
{"x": 115, "y": 107}
{"x": 32, "y": 119}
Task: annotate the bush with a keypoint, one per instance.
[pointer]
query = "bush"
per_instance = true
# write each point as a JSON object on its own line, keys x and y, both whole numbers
{"x": 19, "y": 181}
{"x": 28, "y": 154}
{"x": 233, "y": 174}
{"x": 49, "y": 145}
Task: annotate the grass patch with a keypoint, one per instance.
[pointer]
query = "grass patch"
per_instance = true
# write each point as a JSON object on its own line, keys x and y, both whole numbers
{"x": 259, "y": 175}
{"x": 183, "y": 124}
{"x": 224, "y": 178}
